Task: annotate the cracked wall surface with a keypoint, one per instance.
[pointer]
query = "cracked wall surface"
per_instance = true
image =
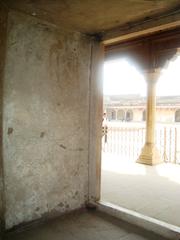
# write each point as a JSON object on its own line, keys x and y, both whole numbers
{"x": 45, "y": 119}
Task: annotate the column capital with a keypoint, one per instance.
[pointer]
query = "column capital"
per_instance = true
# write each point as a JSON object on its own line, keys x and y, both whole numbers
{"x": 152, "y": 75}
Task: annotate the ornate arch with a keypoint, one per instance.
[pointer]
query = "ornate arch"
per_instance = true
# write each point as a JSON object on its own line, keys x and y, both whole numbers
{"x": 121, "y": 115}
{"x": 148, "y": 52}
{"x": 177, "y": 115}
{"x": 144, "y": 115}
{"x": 111, "y": 114}
{"x": 129, "y": 115}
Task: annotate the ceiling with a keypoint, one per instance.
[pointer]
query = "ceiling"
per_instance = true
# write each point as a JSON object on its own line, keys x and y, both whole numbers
{"x": 93, "y": 16}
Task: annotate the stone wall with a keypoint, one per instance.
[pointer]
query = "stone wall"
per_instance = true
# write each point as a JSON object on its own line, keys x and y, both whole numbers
{"x": 45, "y": 115}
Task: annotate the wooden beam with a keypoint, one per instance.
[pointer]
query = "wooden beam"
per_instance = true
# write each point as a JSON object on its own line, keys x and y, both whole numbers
{"x": 154, "y": 25}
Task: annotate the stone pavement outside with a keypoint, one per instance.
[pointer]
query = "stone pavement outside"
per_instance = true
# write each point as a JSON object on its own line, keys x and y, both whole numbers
{"x": 153, "y": 191}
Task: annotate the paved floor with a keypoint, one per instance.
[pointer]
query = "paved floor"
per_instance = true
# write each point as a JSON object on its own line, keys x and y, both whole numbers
{"x": 152, "y": 191}
{"x": 85, "y": 225}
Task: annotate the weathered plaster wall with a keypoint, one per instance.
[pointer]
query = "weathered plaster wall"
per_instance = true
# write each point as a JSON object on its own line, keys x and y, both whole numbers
{"x": 3, "y": 28}
{"x": 45, "y": 115}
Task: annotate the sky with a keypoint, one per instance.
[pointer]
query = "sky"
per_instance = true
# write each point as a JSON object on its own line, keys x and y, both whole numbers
{"x": 121, "y": 78}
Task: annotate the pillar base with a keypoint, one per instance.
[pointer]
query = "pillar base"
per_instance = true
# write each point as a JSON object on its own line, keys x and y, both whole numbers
{"x": 149, "y": 155}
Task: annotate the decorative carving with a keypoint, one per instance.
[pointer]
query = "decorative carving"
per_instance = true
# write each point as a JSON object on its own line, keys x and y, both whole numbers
{"x": 150, "y": 52}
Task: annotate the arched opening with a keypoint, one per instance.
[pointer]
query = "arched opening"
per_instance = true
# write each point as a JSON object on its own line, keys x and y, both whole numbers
{"x": 144, "y": 115}
{"x": 129, "y": 115}
{"x": 124, "y": 89}
{"x": 155, "y": 142}
{"x": 167, "y": 85}
{"x": 120, "y": 115}
{"x": 111, "y": 114}
{"x": 177, "y": 116}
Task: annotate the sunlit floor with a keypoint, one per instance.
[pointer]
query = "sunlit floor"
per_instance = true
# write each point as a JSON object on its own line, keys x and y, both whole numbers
{"x": 151, "y": 190}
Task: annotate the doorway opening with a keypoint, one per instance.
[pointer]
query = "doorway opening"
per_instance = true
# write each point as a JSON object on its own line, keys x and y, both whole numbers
{"x": 149, "y": 190}
{"x": 124, "y": 105}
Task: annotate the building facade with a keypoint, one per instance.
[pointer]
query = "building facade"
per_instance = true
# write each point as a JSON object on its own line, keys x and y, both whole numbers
{"x": 132, "y": 108}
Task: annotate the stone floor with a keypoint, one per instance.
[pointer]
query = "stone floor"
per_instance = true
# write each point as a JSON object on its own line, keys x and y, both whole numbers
{"x": 152, "y": 191}
{"x": 84, "y": 225}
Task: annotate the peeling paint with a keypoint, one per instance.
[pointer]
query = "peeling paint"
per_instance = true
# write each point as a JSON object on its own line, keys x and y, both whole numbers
{"x": 62, "y": 146}
{"x": 61, "y": 204}
{"x": 42, "y": 134}
{"x": 67, "y": 206}
{"x": 37, "y": 209}
{"x": 10, "y": 131}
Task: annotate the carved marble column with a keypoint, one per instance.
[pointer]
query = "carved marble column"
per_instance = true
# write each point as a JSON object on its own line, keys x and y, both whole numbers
{"x": 150, "y": 154}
